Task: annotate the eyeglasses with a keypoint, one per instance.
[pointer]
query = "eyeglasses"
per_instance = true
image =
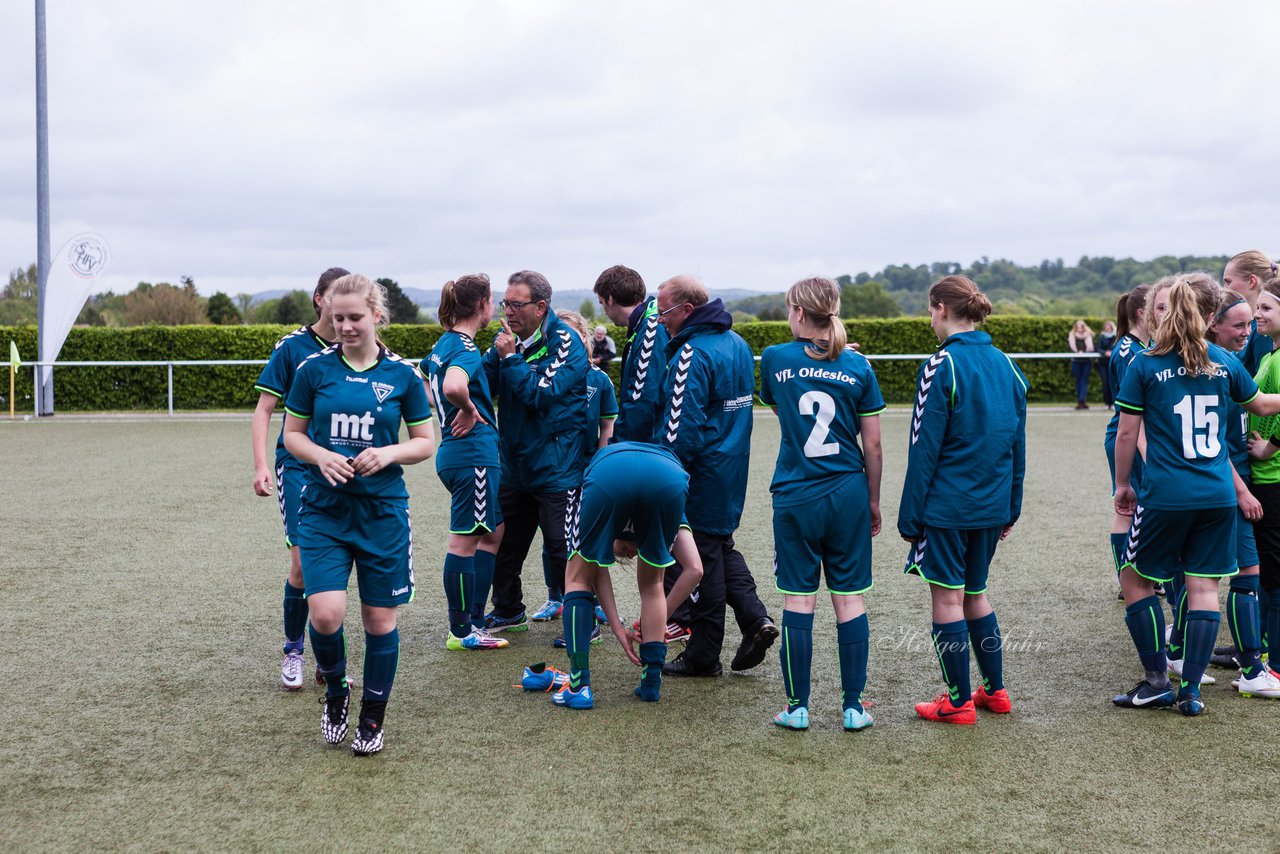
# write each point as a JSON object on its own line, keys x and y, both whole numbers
{"x": 673, "y": 308}
{"x": 512, "y": 305}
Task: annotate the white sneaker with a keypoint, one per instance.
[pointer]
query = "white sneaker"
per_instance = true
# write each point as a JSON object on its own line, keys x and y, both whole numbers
{"x": 291, "y": 671}
{"x": 1263, "y": 685}
{"x": 1175, "y": 669}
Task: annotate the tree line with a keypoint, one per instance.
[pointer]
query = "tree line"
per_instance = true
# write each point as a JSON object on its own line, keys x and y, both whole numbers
{"x": 1088, "y": 288}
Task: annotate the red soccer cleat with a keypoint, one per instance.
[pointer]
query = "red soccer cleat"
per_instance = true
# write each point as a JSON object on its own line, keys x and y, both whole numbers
{"x": 997, "y": 702}
{"x": 941, "y": 710}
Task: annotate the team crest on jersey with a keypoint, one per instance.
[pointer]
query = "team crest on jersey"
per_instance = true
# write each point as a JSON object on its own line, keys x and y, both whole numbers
{"x": 382, "y": 391}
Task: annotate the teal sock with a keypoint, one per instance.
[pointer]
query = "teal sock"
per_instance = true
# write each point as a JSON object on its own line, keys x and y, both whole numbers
{"x": 579, "y": 618}
{"x": 295, "y": 618}
{"x": 1145, "y": 619}
{"x": 988, "y": 648}
{"x": 853, "y": 637}
{"x": 652, "y": 657}
{"x": 951, "y": 642}
{"x": 459, "y": 590}
{"x": 381, "y": 654}
{"x": 1117, "y": 549}
{"x": 1245, "y": 623}
{"x": 1202, "y": 633}
{"x": 483, "y": 564}
{"x": 331, "y": 660}
{"x": 796, "y": 654}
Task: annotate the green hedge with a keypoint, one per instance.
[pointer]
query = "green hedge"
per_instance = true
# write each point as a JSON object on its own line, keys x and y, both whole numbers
{"x": 231, "y": 387}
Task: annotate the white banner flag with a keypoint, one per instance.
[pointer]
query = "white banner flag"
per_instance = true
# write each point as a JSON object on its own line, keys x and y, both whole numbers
{"x": 71, "y": 273}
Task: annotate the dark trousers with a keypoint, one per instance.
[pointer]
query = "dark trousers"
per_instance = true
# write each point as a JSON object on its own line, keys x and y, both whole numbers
{"x": 726, "y": 580}
{"x": 1267, "y": 534}
{"x": 523, "y": 513}
{"x": 1080, "y": 372}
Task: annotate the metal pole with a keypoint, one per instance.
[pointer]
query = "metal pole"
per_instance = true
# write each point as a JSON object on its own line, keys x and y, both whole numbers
{"x": 171, "y": 389}
{"x": 44, "y": 382}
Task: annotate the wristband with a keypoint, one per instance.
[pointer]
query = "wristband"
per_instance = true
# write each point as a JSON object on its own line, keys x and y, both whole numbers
{"x": 1274, "y": 441}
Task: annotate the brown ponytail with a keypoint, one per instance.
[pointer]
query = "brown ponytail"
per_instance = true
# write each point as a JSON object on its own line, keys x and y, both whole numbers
{"x": 1183, "y": 329}
{"x": 961, "y": 297}
{"x": 460, "y": 299}
{"x": 819, "y": 299}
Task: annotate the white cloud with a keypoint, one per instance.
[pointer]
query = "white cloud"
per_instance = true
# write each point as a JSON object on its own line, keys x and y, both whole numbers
{"x": 250, "y": 145}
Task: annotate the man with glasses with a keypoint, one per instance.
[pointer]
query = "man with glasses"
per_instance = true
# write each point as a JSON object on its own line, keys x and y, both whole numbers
{"x": 537, "y": 368}
{"x": 708, "y": 392}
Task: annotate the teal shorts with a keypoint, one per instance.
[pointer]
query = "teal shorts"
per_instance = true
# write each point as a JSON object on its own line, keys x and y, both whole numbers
{"x": 1201, "y": 543}
{"x": 336, "y": 531}
{"x": 629, "y": 495}
{"x": 832, "y": 532}
{"x": 291, "y": 477}
{"x": 474, "y": 508}
{"x": 954, "y": 558}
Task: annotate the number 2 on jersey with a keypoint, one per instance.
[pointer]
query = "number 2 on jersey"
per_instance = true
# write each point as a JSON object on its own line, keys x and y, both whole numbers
{"x": 822, "y": 407}
{"x": 1199, "y": 425}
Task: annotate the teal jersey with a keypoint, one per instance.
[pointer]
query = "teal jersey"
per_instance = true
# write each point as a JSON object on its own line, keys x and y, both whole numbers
{"x": 350, "y": 410}
{"x": 456, "y": 351}
{"x": 820, "y": 405}
{"x": 1238, "y": 429}
{"x": 277, "y": 375}
{"x": 602, "y": 402}
{"x": 1186, "y": 420}
{"x": 1122, "y": 355}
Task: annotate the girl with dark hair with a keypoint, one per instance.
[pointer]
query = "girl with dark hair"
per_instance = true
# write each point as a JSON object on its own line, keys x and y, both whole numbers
{"x": 1184, "y": 509}
{"x": 1131, "y": 326}
{"x": 272, "y": 387}
{"x": 468, "y": 460}
{"x": 826, "y": 492}
{"x": 963, "y": 492}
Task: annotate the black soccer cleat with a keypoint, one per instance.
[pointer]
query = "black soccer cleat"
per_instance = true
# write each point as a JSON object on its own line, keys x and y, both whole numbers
{"x": 368, "y": 738}
{"x": 1144, "y": 696}
{"x": 680, "y": 666}
{"x": 1225, "y": 656}
{"x": 333, "y": 717}
{"x": 752, "y": 650}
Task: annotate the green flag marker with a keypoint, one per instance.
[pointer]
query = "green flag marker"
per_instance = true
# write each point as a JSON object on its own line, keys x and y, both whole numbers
{"x": 13, "y": 355}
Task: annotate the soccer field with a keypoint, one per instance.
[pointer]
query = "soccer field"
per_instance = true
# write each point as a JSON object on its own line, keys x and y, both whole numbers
{"x": 141, "y": 610}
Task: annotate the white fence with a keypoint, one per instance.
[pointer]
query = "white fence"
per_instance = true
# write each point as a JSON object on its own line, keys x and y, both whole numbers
{"x": 169, "y": 365}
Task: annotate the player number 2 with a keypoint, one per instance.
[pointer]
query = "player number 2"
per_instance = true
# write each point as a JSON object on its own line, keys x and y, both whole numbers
{"x": 1199, "y": 425}
{"x": 820, "y": 405}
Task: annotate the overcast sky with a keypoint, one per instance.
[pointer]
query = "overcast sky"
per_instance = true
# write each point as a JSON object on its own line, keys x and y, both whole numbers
{"x": 253, "y": 144}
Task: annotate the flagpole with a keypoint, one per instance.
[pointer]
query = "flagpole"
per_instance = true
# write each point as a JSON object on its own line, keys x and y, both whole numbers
{"x": 44, "y": 382}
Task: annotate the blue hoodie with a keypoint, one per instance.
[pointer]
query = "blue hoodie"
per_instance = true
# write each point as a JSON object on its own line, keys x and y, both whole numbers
{"x": 542, "y": 409}
{"x": 707, "y": 393}
{"x": 967, "y": 457}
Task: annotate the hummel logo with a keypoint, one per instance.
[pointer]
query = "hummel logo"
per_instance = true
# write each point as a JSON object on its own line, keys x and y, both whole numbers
{"x": 382, "y": 390}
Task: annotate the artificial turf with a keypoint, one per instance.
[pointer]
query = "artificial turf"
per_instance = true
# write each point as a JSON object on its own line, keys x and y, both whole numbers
{"x": 141, "y": 613}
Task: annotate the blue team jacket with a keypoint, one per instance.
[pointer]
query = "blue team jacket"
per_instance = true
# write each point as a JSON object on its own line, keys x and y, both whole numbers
{"x": 967, "y": 457}
{"x": 707, "y": 392}
{"x": 640, "y": 391}
{"x": 542, "y": 409}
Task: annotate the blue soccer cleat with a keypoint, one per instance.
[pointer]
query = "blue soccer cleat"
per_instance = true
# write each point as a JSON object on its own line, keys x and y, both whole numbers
{"x": 799, "y": 719}
{"x": 569, "y": 698}
{"x": 550, "y": 610}
{"x": 855, "y": 720}
{"x": 1144, "y": 696}
{"x": 1191, "y": 706}
{"x": 540, "y": 677}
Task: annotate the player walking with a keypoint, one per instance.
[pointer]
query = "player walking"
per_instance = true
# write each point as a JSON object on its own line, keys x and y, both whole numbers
{"x": 826, "y": 492}
{"x": 273, "y": 385}
{"x": 344, "y": 413}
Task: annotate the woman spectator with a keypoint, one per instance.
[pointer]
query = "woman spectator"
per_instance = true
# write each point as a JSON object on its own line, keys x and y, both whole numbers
{"x": 1081, "y": 341}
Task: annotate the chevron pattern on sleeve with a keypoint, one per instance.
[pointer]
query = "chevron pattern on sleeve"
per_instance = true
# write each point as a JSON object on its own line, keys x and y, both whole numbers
{"x": 562, "y": 355}
{"x": 677, "y": 393}
{"x": 646, "y": 354}
{"x": 922, "y": 394}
